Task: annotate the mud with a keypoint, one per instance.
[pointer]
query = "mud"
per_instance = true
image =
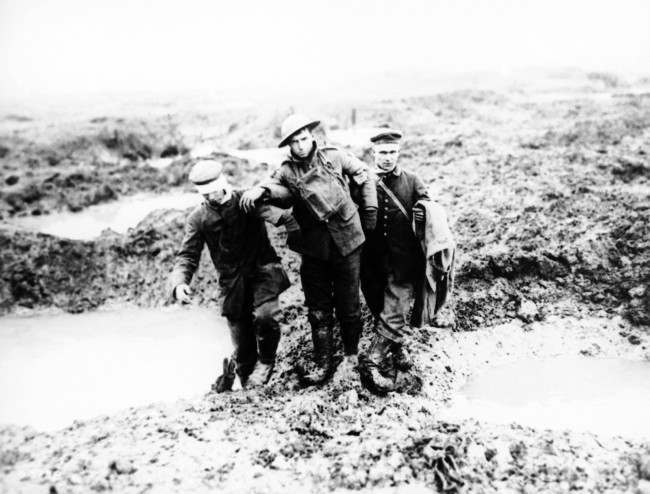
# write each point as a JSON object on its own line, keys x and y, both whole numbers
{"x": 549, "y": 200}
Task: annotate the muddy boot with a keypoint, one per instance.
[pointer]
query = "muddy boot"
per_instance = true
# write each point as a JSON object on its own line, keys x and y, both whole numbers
{"x": 350, "y": 333}
{"x": 321, "y": 369}
{"x": 260, "y": 375}
{"x": 401, "y": 358}
{"x": 244, "y": 370}
{"x": 225, "y": 381}
{"x": 372, "y": 364}
{"x": 267, "y": 336}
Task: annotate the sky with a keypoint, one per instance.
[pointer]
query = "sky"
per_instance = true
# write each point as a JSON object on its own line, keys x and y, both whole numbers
{"x": 96, "y": 46}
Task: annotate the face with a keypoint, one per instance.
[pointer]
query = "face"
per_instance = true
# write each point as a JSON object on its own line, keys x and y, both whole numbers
{"x": 386, "y": 154}
{"x": 216, "y": 197}
{"x": 301, "y": 143}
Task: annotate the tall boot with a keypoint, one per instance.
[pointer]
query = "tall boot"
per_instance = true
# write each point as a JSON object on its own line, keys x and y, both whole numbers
{"x": 350, "y": 333}
{"x": 321, "y": 369}
{"x": 377, "y": 360}
{"x": 267, "y": 335}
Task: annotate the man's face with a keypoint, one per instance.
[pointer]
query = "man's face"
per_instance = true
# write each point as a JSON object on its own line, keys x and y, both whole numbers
{"x": 215, "y": 198}
{"x": 301, "y": 143}
{"x": 386, "y": 154}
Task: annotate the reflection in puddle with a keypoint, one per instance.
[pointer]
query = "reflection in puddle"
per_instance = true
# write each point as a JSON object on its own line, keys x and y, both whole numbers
{"x": 605, "y": 396}
{"x": 58, "y": 368}
{"x": 118, "y": 216}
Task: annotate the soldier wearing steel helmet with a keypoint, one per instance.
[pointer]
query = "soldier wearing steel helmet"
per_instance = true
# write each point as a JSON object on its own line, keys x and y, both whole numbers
{"x": 317, "y": 181}
{"x": 250, "y": 274}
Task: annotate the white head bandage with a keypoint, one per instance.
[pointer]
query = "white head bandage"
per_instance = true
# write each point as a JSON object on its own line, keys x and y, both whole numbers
{"x": 216, "y": 185}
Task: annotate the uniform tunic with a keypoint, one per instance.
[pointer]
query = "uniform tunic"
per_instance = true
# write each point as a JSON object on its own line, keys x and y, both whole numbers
{"x": 392, "y": 261}
{"x": 249, "y": 268}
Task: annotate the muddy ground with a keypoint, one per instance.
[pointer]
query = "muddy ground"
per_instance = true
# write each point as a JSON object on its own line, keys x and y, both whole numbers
{"x": 549, "y": 195}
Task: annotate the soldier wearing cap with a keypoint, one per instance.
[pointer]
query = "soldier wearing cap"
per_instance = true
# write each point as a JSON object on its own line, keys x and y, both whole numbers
{"x": 318, "y": 183}
{"x": 250, "y": 274}
{"x": 392, "y": 262}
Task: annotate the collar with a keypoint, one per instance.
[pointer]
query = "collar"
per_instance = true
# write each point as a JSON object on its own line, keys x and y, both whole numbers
{"x": 397, "y": 171}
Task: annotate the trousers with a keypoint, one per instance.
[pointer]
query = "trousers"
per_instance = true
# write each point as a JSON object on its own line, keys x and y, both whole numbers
{"x": 255, "y": 336}
{"x": 333, "y": 284}
{"x": 393, "y": 318}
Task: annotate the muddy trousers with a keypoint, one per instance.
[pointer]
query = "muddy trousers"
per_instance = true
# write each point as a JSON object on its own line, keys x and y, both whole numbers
{"x": 255, "y": 337}
{"x": 334, "y": 284}
{"x": 393, "y": 319}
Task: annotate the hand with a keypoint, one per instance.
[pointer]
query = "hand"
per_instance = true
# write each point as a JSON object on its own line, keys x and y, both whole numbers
{"x": 183, "y": 293}
{"x": 418, "y": 215}
{"x": 248, "y": 198}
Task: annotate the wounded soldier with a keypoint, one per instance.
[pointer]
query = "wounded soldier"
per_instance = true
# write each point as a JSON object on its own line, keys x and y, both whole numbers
{"x": 250, "y": 274}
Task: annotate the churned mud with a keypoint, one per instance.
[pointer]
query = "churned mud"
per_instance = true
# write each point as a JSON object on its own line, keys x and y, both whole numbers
{"x": 548, "y": 193}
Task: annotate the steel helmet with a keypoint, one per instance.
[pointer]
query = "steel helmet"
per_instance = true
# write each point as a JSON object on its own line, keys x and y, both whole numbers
{"x": 294, "y": 123}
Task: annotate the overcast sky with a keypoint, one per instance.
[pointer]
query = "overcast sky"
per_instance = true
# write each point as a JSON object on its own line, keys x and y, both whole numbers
{"x": 93, "y": 46}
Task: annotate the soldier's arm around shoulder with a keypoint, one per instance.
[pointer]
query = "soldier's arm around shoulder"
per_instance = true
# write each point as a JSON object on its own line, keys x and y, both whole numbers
{"x": 273, "y": 189}
{"x": 276, "y": 187}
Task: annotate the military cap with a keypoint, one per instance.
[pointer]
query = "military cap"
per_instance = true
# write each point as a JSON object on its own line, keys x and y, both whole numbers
{"x": 206, "y": 175}
{"x": 386, "y": 135}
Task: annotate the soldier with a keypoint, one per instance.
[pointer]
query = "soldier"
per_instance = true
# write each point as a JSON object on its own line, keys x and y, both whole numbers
{"x": 332, "y": 234}
{"x": 250, "y": 274}
{"x": 393, "y": 262}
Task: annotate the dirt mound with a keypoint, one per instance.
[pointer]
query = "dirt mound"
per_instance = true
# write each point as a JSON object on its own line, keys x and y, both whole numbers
{"x": 73, "y": 172}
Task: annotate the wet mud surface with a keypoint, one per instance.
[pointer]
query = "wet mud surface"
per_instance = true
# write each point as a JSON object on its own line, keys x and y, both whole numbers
{"x": 549, "y": 199}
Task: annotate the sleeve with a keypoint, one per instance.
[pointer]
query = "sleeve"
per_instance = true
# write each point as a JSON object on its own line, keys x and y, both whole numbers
{"x": 189, "y": 255}
{"x": 358, "y": 171}
{"x": 276, "y": 190}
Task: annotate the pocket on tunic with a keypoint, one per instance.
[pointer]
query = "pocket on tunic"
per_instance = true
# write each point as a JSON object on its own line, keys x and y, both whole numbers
{"x": 347, "y": 210}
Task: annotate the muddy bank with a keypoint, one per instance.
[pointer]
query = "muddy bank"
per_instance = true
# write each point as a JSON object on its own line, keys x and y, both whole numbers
{"x": 43, "y": 171}
{"x": 339, "y": 436}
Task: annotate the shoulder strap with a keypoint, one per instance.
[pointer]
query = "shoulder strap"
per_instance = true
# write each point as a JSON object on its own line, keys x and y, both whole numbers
{"x": 393, "y": 198}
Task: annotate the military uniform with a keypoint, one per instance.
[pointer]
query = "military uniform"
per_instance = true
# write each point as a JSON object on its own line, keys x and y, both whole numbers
{"x": 331, "y": 231}
{"x": 392, "y": 261}
{"x": 250, "y": 276}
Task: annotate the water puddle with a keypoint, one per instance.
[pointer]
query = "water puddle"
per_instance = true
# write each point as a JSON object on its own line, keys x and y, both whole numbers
{"x": 118, "y": 216}
{"x": 604, "y": 396}
{"x": 58, "y": 368}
